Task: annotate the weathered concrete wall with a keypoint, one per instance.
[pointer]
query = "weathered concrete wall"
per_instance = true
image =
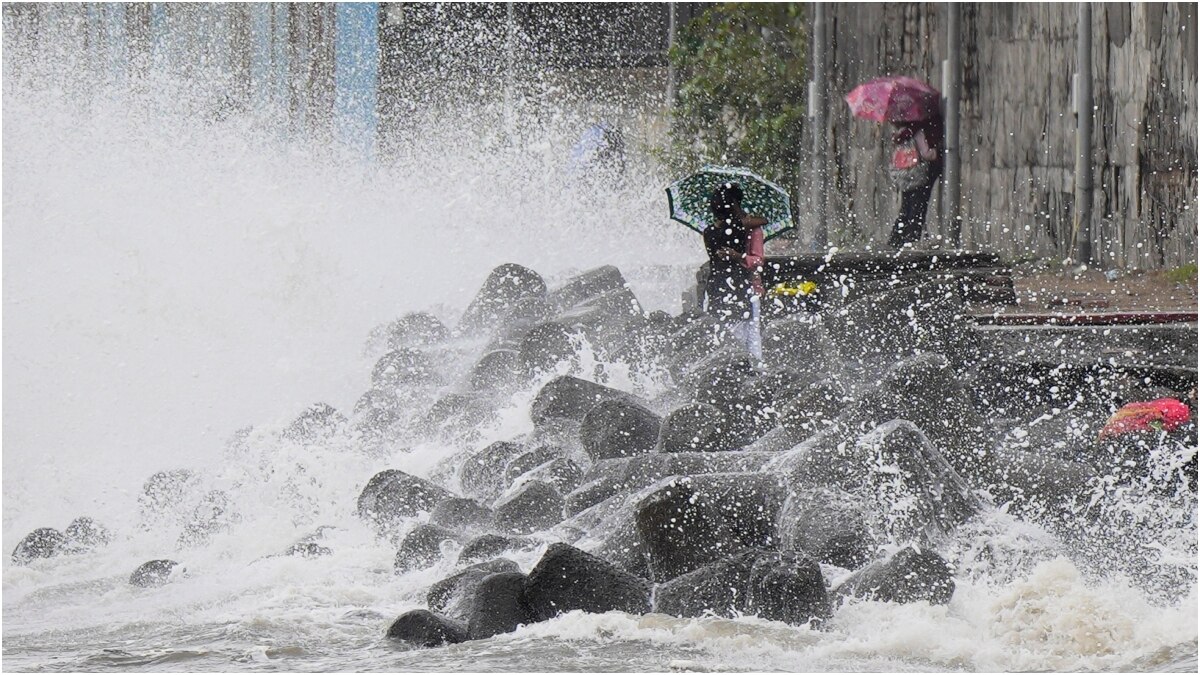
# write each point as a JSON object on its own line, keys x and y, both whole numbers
{"x": 1017, "y": 130}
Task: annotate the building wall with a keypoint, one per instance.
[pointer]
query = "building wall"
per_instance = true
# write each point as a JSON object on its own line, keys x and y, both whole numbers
{"x": 1018, "y": 132}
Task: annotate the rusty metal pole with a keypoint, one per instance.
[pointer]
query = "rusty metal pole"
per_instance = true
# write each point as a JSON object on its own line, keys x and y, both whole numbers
{"x": 1084, "y": 249}
{"x": 817, "y": 104}
{"x": 953, "y": 178}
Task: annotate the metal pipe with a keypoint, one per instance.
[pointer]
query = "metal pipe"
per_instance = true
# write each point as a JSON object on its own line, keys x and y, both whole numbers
{"x": 953, "y": 160}
{"x": 819, "y": 129}
{"x": 1084, "y": 250}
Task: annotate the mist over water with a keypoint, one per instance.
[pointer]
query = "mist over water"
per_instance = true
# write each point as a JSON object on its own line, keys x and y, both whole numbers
{"x": 170, "y": 277}
{"x": 176, "y": 270}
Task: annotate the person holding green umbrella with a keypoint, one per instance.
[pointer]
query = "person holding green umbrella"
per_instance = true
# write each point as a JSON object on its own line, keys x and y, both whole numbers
{"x": 714, "y": 202}
{"x": 734, "y": 243}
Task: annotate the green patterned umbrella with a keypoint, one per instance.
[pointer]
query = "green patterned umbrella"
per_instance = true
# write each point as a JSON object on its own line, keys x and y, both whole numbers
{"x": 688, "y": 198}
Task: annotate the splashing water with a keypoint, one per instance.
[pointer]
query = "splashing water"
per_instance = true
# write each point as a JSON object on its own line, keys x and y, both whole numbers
{"x": 171, "y": 276}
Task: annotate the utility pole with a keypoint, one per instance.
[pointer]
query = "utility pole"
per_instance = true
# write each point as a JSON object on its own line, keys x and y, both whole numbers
{"x": 672, "y": 30}
{"x": 953, "y": 92}
{"x": 1084, "y": 251}
{"x": 816, "y": 112}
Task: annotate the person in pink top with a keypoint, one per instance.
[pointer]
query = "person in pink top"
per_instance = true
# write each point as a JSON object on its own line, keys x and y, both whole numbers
{"x": 735, "y": 250}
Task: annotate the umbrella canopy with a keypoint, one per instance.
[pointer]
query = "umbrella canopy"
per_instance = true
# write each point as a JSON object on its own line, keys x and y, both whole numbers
{"x": 894, "y": 99}
{"x": 688, "y": 198}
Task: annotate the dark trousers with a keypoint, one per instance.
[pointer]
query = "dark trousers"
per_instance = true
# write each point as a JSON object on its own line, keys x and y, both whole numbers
{"x": 913, "y": 204}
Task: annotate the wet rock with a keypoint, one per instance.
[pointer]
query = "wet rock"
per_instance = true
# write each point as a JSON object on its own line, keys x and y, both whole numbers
{"x": 317, "y": 422}
{"x": 617, "y": 428}
{"x": 453, "y": 595}
{"x": 393, "y": 494}
{"x": 489, "y": 546}
{"x": 568, "y": 579}
{"x": 1039, "y": 484}
{"x": 561, "y": 473}
{"x": 926, "y": 318}
{"x": 813, "y": 409}
{"x": 528, "y": 461}
{"x": 532, "y": 507}
{"x": 604, "y": 320}
{"x": 587, "y": 286}
{"x": 422, "y": 628}
{"x": 499, "y": 606}
{"x": 458, "y": 414}
{"x": 376, "y": 410}
{"x": 85, "y": 534}
{"x": 693, "y": 427}
{"x": 800, "y": 343}
{"x": 308, "y": 549}
{"x": 916, "y": 494}
{"x": 506, "y": 286}
{"x": 788, "y": 587}
{"x": 461, "y": 513}
{"x": 415, "y": 329}
{"x": 545, "y": 345}
{"x": 482, "y": 474}
{"x": 421, "y": 547}
{"x": 924, "y": 390}
{"x": 911, "y": 575}
{"x": 44, "y": 542}
{"x": 214, "y": 513}
{"x": 785, "y": 587}
{"x": 828, "y": 524}
{"x": 165, "y": 491}
{"x": 498, "y": 370}
{"x": 403, "y": 367}
{"x": 697, "y": 337}
{"x": 571, "y": 398}
{"x": 153, "y": 573}
{"x": 687, "y": 522}
{"x": 626, "y": 475}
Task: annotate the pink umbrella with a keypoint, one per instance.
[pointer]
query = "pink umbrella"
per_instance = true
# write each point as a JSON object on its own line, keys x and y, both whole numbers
{"x": 894, "y": 99}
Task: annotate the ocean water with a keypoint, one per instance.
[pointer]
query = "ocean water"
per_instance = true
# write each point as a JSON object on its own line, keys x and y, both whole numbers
{"x": 171, "y": 277}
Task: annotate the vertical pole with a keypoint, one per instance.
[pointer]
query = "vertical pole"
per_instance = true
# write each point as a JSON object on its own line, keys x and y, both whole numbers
{"x": 953, "y": 179}
{"x": 819, "y": 126}
{"x": 1084, "y": 251}
{"x": 509, "y": 59}
{"x": 672, "y": 30}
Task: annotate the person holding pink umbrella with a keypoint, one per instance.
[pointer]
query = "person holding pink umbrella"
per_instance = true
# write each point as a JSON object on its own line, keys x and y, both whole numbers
{"x": 916, "y": 159}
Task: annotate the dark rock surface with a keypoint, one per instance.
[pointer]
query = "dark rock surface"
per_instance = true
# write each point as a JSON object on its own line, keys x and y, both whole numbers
{"x": 422, "y": 628}
{"x": 616, "y": 428}
{"x": 785, "y": 587}
{"x": 530, "y": 460}
{"x": 153, "y": 573}
{"x": 498, "y": 370}
{"x": 504, "y": 288}
{"x": 688, "y": 522}
{"x": 393, "y": 494}
{"x": 570, "y": 398}
{"x": 545, "y": 345}
{"x": 44, "y": 542}
{"x": 462, "y": 514}
{"x": 567, "y": 579}
{"x": 488, "y": 546}
{"x": 403, "y": 367}
{"x": 482, "y": 473}
{"x": 454, "y": 594}
{"x": 911, "y": 575}
{"x": 531, "y": 507}
{"x": 828, "y": 524}
{"x": 421, "y": 547}
{"x": 499, "y": 606}
{"x": 693, "y": 427}
{"x": 85, "y": 534}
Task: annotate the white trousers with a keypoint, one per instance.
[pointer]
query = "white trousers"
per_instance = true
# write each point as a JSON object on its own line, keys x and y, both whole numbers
{"x": 747, "y": 330}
